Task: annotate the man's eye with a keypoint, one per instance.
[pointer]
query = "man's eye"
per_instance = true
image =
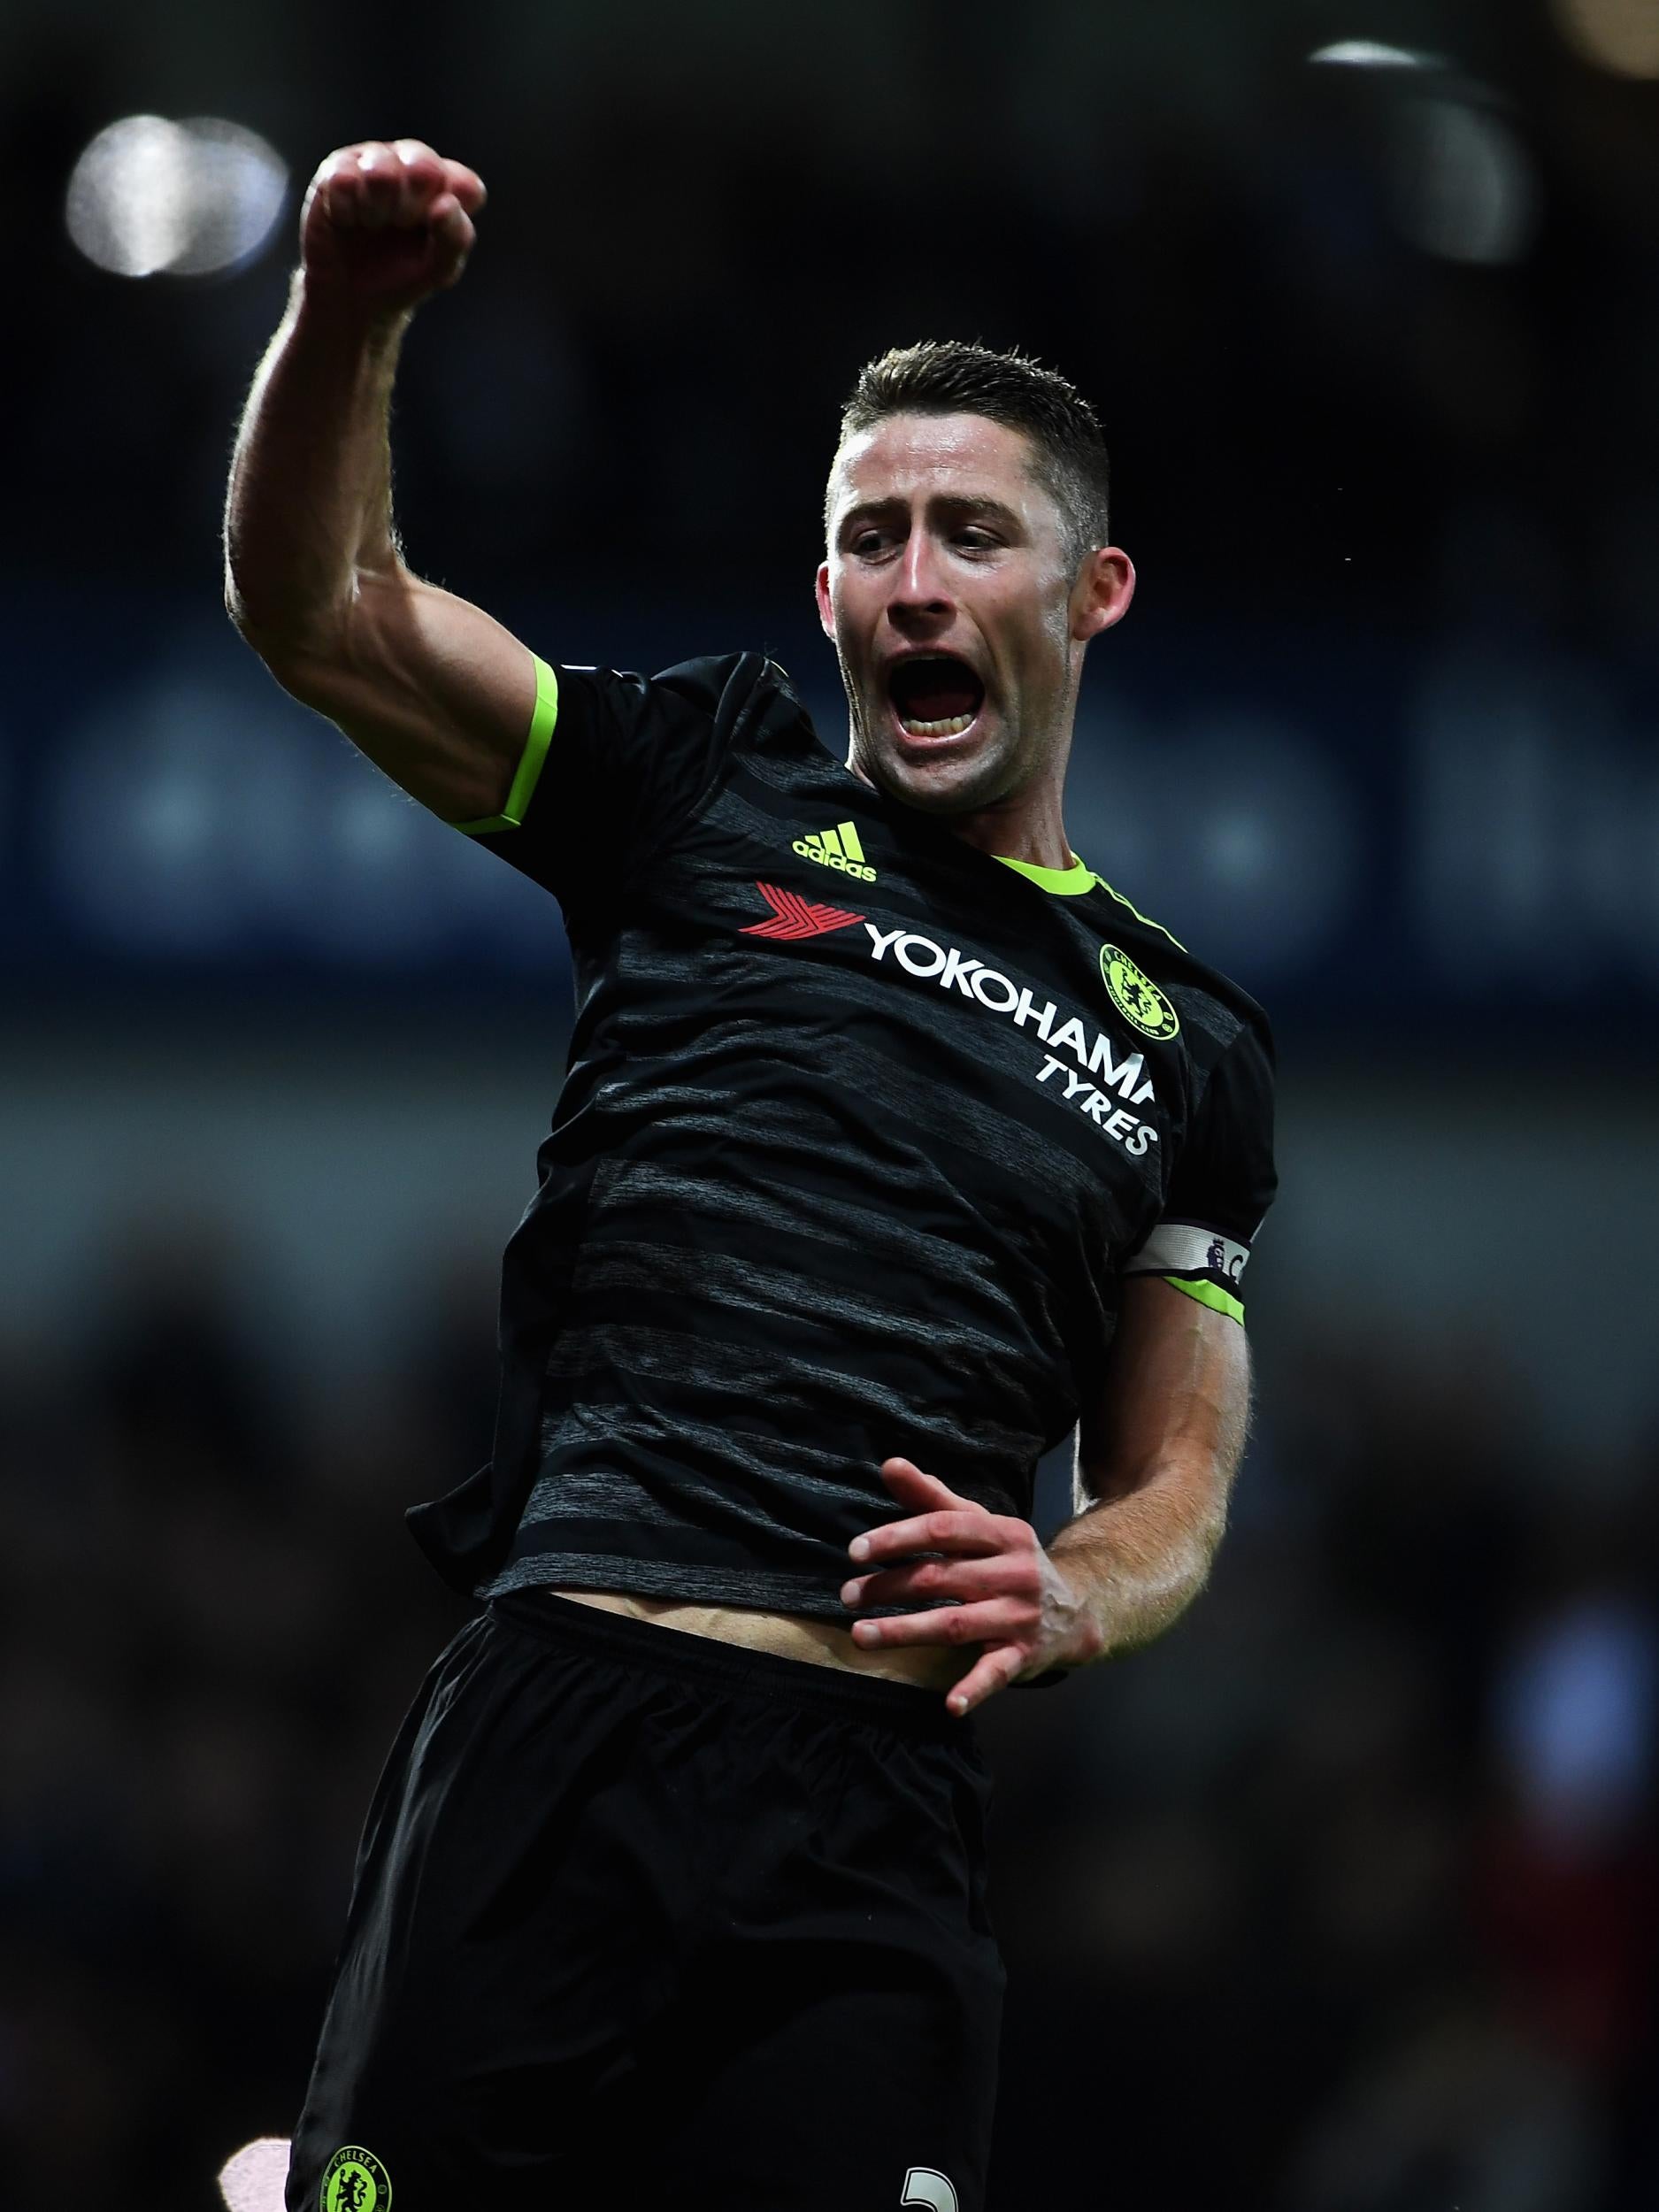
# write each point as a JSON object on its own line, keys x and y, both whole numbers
{"x": 976, "y": 538}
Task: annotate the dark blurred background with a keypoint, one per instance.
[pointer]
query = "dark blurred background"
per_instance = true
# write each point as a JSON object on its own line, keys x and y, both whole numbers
{"x": 1343, "y": 1899}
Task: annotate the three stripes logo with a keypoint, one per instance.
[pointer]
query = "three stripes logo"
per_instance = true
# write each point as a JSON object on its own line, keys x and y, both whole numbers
{"x": 792, "y": 916}
{"x": 839, "y": 848}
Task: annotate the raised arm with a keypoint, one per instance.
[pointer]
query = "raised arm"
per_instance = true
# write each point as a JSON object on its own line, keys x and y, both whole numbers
{"x": 435, "y": 691}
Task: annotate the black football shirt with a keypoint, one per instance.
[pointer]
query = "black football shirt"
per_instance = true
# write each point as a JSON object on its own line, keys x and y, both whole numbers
{"x": 861, "y": 1130}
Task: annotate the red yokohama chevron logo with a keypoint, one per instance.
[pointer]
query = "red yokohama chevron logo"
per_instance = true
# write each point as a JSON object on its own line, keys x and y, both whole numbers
{"x": 792, "y": 916}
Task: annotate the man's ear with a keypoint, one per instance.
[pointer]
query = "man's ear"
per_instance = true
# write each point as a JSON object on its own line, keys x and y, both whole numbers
{"x": 1104, "y": 586}
{"x": 825, "y": 612}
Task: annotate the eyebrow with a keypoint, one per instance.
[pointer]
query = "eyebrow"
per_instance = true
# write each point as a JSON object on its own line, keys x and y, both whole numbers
{"x": 950, "y": 503}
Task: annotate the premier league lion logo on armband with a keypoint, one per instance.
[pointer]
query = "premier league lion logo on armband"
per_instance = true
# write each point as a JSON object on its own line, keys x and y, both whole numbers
{"x": 1136, "y": 996}
{"x": 356, "y": 2181}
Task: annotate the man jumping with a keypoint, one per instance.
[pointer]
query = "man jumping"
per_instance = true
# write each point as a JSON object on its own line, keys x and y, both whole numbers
{"x": 895, "y": 1145}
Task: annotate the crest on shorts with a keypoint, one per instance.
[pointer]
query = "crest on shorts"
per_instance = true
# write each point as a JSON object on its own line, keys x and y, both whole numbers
{"x": 1136, "y": 996}
{"x": 356, "y": 2181}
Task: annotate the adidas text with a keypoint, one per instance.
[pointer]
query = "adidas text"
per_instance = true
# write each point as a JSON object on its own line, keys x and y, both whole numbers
{"x": 839, "y": 848}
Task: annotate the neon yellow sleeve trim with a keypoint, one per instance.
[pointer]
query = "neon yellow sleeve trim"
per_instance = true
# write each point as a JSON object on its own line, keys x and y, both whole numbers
{"x": 530, "y": 761}
{"x": 1208, "y": 1294}
{"x": 1067, "y": 882}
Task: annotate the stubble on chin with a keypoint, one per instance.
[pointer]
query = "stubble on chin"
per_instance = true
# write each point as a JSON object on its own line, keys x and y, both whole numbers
{"x": 944, "y": 787}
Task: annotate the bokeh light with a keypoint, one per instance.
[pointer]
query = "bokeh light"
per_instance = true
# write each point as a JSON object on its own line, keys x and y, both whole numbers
{"x": 1463, "y": 184}
{"x": 255, "y": 2179}
{"x": 1620, "y": 36}
{"x": 1370, "y": 53}
{"x": 196, "y": 198}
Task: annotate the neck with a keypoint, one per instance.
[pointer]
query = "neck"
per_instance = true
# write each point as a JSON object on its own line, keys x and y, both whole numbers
{"x": 1026, "y": 827}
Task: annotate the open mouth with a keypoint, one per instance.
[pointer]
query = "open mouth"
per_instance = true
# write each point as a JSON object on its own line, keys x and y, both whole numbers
{"x": 934, "y": 695}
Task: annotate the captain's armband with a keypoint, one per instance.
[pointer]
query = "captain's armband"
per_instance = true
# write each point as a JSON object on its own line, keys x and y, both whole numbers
{"x": 1202, "y": 1262}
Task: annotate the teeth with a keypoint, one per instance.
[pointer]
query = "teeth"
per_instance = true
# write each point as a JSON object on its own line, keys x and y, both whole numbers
{"x": 954, "y": 728}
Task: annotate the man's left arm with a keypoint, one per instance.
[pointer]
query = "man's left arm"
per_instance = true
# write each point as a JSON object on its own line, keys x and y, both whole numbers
{"x": 1157, "y": 1453}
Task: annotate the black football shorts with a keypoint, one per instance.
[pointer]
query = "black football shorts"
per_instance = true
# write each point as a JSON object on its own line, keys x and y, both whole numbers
{"x": 642, "y": 1920}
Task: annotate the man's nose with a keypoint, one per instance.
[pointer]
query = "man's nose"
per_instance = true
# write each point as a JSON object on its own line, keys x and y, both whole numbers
{"x": 920, "y": 595}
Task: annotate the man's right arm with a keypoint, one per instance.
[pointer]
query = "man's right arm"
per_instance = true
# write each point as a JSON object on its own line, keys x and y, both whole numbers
{"x": 436, "y": 693}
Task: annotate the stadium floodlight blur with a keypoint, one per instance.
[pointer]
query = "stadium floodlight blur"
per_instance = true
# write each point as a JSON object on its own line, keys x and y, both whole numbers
{"x": 254, "y": 2179}
{"x": 1462, "y": 184}
{"x": 148, "y": 197}
{"x": 1370, "y": 53}
{"x": 1618, "y": 36}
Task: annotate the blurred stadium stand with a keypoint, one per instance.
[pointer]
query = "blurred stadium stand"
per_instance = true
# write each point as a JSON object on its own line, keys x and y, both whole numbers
{"x": 1343, "y": 1899}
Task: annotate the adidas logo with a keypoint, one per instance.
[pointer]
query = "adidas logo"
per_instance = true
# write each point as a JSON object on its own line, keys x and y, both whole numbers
{"x": 837, "y": 848}
{"x": 792, "y": 916}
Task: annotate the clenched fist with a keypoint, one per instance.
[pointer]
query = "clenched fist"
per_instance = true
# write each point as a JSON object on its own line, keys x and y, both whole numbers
{"x": 384, "y": 227}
